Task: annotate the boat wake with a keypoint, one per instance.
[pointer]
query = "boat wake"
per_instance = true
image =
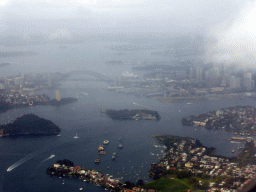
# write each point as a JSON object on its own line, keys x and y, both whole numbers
{"x": 28, "y": 157}
{"x": 32, "y": 176}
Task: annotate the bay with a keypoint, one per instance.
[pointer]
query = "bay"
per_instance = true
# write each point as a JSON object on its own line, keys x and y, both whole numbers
{"x": 84, "y": 119}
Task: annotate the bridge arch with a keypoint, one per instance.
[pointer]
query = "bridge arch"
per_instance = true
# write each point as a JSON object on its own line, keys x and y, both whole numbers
{"x": 95, "y": 74}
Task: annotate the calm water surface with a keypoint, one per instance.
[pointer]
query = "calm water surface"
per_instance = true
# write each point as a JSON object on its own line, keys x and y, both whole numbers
{"x": 84, "y": 119}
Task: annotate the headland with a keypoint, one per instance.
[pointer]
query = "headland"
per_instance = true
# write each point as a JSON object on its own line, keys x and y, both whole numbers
{"x": 240, "y": 119}
{"x": 187, "y": 161}
{"x": 29, "y": 124}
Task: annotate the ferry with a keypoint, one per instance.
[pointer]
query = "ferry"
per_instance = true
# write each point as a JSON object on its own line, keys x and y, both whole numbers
{"x": 105, "y": 142}
{"x": 238, "y": 138}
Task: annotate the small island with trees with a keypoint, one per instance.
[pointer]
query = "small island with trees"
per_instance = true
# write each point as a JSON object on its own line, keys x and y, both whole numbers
{"x": 134, "y": 114}
{"x": 29, "y": 124}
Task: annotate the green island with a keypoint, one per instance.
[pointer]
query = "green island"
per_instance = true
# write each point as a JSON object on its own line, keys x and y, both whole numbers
{"x": 29, "y": 124}
{"x": 188, "y": 165}
{"x": 135, "y": 114}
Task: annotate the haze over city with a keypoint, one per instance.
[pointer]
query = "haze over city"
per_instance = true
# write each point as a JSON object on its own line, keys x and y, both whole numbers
{"x": 122, "y": 95}
{"x": 227, "y": 26}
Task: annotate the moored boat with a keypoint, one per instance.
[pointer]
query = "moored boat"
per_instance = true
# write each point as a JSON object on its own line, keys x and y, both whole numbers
{"x": 100, "y": 148}
{"x": 97, "y": 161}
{"x": 102, "y": 152}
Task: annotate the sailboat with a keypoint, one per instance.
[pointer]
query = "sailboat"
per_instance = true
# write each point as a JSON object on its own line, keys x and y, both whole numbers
{"x": 76, "y": 137}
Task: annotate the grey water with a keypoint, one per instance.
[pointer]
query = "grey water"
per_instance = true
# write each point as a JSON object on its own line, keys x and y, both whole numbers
{"x": 84, "y": 119}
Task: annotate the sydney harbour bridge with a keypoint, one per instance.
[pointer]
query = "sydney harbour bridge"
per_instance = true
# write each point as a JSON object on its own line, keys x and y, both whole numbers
{"x": 99, "y": 77}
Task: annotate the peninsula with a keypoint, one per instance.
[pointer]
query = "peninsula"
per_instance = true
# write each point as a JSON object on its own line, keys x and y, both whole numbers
{"x": 62, "y": 101}
{"x": 238, "y": 119}
{"x": 17, "y": 100}
{"x": 186, "y": 160}
{"x": 66, "y": 168}
{"x": 135, "y": 114}
{"x": 29, "y": 124}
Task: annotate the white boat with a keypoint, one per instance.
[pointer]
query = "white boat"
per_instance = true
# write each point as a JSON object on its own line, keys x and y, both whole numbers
{"x": 52, "y": 156}
{"x": 80, "y": 189}
{"x": 76, "y": 137}
{"x": 59, "y": 135}
{"x": 105, "y": 142}
{"x": 189, "y": 103}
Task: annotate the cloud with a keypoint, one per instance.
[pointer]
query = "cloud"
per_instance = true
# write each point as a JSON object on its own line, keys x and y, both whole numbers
{"x": 236, "y": 39}
{"x": 111, "y": 16}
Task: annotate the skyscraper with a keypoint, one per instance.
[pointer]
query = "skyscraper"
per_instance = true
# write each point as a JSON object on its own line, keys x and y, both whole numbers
{"x": 247, "y": 81}
{"x": 234, "y": 82}
{"x": 213, "y": 76}
{"x": 199, "y": 73}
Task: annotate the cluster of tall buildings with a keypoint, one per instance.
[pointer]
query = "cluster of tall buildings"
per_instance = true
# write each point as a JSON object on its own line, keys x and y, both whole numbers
{"x": 16, "y": 80}
{"x": 218, "y": 76}
{"x": 8, "y": 82}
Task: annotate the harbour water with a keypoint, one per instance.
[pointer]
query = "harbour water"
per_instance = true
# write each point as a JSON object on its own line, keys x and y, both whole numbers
{"x": 92, "y": 127}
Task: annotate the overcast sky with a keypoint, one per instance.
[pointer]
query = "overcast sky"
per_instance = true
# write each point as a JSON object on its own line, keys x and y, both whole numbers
{"x": 75, "y": 16}
{"x": 230, "y": 22}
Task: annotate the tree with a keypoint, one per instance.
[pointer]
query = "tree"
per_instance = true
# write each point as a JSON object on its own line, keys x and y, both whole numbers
{"x": 129, "y": 185}
{"x": 205, "y": 185}
{"x": 194, "y": 182}
{"x": 140, "y": 182}
{"x": 183, "y": 174}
